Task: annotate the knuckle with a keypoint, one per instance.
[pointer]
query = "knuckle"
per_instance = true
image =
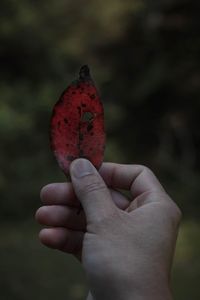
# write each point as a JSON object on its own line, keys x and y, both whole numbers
{"x": 145, "y": 169}
{"x": 92, "y": 186}
{"x": 173, "y": 212}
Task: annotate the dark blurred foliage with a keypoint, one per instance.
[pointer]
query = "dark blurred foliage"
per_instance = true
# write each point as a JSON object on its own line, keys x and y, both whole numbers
{"x": 144, "y": 56}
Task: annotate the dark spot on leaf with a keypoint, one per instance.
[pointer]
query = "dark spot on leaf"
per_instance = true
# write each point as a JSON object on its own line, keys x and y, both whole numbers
{"x": 92, "y": 96}
{"x": 83, "y": 104}
{"x": 79, "y": 110}
{"x": 66, "y": 121}
{"x": 89, "y": 127}
{"x": 92, "y": 133}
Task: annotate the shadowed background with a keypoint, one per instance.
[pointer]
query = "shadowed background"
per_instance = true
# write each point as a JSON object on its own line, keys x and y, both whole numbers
{"x": 144, "y": 56}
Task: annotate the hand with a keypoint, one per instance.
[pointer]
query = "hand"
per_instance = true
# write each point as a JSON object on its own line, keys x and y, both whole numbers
{"x": 126, "y": 247}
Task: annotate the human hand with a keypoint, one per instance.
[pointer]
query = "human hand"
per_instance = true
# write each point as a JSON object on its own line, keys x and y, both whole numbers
{"x": 126, "y": 247}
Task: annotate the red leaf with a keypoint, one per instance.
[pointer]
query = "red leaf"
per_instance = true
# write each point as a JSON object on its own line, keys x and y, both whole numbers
{"x": 77, "y": 123}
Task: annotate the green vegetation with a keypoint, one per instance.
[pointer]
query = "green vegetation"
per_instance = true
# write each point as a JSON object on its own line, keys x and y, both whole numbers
{"x": 144, "y": 56}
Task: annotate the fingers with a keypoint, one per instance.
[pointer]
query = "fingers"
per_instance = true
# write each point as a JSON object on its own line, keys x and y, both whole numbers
{"x": 62, "y": 239}
{"x": 142, "y": 183}
{"x": 139, "y": 179}
{"x": 91, "y": 190}
{"x": 63, "y": 194}
{"x": 59, "y": 194}
{"x": 57, "y": 213}
{"x": 136, "y": 178}
{"x": 65, "y": 216}
{"x": 61, "y": 216}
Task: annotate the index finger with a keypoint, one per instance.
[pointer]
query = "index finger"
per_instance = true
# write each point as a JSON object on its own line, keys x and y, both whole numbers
{"x": 136, "y": 178}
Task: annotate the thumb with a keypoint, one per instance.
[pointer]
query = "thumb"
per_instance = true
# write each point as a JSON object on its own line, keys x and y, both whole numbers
{"x": 91, "y": 190}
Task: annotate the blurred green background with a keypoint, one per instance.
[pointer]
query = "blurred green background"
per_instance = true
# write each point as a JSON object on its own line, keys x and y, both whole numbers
{"x": 144, "y": 56}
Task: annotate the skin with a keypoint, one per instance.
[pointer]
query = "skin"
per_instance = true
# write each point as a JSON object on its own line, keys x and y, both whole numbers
{"x": 126, "y": 246}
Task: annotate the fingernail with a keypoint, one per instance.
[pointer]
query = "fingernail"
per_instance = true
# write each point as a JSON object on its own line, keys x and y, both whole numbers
{"x": 81, "y": 167}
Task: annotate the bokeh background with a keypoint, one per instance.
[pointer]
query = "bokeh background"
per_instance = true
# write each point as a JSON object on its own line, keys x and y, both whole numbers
{"x": 144, "y": 56}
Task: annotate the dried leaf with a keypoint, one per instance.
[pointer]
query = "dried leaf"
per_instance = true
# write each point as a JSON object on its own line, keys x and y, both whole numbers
{"x": 77, "y": 123}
